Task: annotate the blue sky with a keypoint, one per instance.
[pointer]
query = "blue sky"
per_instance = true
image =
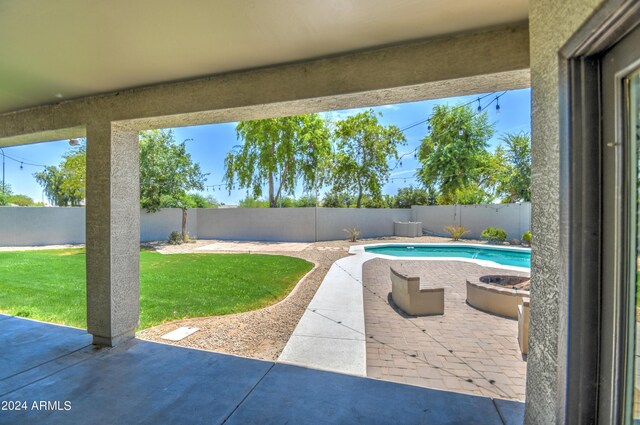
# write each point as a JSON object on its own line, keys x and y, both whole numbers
{"x": 211, "y": 143}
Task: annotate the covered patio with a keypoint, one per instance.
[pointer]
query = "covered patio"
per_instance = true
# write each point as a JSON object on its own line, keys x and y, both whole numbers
{"x": 107, "y": 70}
{"x": 145, "y": 382}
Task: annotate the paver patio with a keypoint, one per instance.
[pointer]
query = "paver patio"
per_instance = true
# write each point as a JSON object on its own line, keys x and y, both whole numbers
{"x": 463, "y": 350}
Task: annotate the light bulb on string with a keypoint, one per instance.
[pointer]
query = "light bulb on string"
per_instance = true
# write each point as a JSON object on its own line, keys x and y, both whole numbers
{"x": 461, "y": 132}
{"x": 479, "y": 107}
{"x": 429, "y": 127}
{"x": 497, "y": 105}
{"x": 21, "y": 167}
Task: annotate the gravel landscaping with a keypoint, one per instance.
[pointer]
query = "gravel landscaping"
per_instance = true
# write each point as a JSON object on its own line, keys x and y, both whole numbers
{"x": 262, "y": 333}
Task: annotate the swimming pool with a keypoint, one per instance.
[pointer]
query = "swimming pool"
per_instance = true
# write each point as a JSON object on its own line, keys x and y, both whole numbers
{"x": 518, "y": 257}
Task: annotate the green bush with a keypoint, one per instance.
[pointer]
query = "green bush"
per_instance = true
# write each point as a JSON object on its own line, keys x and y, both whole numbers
{"x": 21, "y": 200}
{"x": 456, "y": 232}
{"x": 526, "y": 237}
{"x": 175, "y": 238}
{"x": 494, "y": 234}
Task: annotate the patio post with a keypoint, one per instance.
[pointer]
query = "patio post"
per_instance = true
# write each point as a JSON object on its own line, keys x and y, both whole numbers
{"x": 112, "y": 233}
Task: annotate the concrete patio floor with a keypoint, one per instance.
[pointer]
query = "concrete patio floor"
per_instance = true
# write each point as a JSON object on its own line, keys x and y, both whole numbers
{"x": 145, "y": 382}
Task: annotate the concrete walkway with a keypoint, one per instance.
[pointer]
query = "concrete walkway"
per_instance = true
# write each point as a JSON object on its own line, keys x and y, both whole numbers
{"x": 330, "y": 334}
{"x": 246, "y": 246}
{"x": 55, "y": 376}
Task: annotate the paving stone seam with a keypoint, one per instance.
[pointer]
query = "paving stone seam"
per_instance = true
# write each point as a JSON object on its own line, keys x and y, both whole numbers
{"x": 500, "y": 391}
{"x": 494, "y": 388}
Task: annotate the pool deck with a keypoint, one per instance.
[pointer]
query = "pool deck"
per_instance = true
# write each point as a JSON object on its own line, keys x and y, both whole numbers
{"x": 464, "y": 350}
{"x": 149, "y": 383}
{"x": 349, "y": 328}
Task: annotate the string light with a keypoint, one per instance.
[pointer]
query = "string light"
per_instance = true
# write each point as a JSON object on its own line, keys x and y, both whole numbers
{"x": 479, "y": 106}
{"x": 24, "y": 162}
{"x": 21, "y": 167}
{"x": 460, "y": 131}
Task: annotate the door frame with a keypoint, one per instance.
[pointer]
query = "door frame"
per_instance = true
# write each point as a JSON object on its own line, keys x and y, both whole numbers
{"x": 589, "y": 396}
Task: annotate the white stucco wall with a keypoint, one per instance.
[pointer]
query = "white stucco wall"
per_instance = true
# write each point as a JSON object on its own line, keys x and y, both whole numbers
{"x": 515, "y": 219}
{"x": 25, "y": 226}
{"x": 158, "y": 226}
{"x": 257, "y": 224}
{"x": 370, "y": 222}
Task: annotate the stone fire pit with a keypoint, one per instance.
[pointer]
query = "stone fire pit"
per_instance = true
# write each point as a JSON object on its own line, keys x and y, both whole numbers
{"x": 498, "y": 294}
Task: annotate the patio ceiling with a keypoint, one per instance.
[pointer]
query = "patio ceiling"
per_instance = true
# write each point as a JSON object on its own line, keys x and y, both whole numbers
{"x": 74, "y": 48}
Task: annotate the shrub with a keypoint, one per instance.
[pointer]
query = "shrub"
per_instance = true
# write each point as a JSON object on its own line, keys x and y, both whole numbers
{"x": 175, "y": 238}
{"x": 456, "y": 232}
{"x": 353, "y": 233}
{"x": 526, "y": 237}
{"x": 494, "y": 234}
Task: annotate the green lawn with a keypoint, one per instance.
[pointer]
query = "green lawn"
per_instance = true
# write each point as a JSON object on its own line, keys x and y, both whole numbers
{"x": 50, "y": 285}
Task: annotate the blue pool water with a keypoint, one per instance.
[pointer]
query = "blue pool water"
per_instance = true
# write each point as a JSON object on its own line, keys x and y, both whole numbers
{"x": 504, "y": 256}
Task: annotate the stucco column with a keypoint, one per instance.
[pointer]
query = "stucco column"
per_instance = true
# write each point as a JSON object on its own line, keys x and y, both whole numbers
{"x": 113, "y": 231}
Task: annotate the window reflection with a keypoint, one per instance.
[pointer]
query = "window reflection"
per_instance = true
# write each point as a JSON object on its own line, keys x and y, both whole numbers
{"x": 634, "y": 134}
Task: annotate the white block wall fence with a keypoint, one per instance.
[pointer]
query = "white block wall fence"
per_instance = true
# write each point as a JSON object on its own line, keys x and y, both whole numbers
{"x": 24, "y": 226}
{"x": 515, "y": 219}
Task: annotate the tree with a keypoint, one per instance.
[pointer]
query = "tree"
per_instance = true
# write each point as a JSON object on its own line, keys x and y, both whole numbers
{"x": 384, "y": 201}
{"x": 167, "y": 173}
{"x": 333, "y": 199}
{"x": 51, "y": 180}
{"x": 364, "y": 149}
{"x": 5, "y": 194}
{"x": 277, "y": 153}
{"x": 64, "y": 185}
{"x": 21, "y": 200}
{"x": 408, "y": 196}
{"x": 252, "y": 202}
{"x": 455, "y": 163}
{"x": 200, "y": 201}
{"x": 74, "y": 175}
{"x": 515, "y": 180}
{"x": 306, "y": 201}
